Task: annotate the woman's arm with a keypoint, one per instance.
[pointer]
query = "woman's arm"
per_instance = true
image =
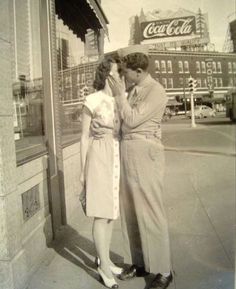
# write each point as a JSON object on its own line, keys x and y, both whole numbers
{"x": 84, "y": 143}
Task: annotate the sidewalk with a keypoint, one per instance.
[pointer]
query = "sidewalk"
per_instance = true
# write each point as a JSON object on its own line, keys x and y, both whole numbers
{"x": 200, "y": 208}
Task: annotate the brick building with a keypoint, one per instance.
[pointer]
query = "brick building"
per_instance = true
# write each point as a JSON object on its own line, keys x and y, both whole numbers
{"x": 215, "y": 73}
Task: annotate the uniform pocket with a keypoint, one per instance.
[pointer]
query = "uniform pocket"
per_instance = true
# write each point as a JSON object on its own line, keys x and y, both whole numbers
{"x": 155, "y": 150}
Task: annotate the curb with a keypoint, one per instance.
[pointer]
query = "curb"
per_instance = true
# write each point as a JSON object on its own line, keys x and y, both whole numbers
{"x": 198, "y": 151}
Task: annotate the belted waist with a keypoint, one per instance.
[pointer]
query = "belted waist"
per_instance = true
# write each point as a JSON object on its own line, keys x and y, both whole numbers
{"x": 107, "y": 135}
{"x": 134, "y": 136}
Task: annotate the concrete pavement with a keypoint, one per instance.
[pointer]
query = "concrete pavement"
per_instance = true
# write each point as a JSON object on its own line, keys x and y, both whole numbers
{"x": 200, "y": 203}
{"x": 207, "y": 137}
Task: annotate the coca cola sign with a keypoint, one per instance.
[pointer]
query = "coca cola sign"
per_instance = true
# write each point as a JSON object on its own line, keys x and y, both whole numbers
{"x": 175, "y": 27}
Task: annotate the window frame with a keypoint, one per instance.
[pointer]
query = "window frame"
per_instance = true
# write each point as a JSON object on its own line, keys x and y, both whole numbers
{"x": 198, "y": 67}
{"x": 169, "y": 66}
{"x": 180, "y": 66}
{"x": 186, "y": 66}
{"x": 157, "y": 66}
{"x": 163, "y": 66}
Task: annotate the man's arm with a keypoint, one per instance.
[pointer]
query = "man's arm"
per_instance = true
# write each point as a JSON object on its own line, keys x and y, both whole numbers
{"x": 153, "y": 105}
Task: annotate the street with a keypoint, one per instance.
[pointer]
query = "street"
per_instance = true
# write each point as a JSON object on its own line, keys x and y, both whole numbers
{"x": 200, "y": 201}
{"x": 212, "y": 135}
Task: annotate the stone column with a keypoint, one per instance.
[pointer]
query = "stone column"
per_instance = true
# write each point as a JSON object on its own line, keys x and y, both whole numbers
{"x": 10, "y": 213}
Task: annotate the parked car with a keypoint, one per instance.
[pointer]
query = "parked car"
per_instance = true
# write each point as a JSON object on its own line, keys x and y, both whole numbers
{"x": 201, "y": 111}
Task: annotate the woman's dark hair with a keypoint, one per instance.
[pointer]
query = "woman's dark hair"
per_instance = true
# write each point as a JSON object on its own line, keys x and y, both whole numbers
{"x": 102, "y": 73}
{"x": 136, "y": 60}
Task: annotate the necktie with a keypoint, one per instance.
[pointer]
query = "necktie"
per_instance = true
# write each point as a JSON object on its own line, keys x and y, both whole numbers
{"x": 133, "y": 97}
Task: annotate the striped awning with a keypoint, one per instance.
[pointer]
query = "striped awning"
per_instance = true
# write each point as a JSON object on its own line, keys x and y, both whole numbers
{"x": 81, "y": 15}
{"x": 96, "y": 7}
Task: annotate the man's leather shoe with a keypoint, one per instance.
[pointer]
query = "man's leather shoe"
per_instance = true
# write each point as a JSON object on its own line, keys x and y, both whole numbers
{"x": 161, "y": 282}
{"x": 133, "y": 271}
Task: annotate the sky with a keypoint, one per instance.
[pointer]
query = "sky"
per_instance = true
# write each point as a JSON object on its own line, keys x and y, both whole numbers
{"x": 118, "y": 13}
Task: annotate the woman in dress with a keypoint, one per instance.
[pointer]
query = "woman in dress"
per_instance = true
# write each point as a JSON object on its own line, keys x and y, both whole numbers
{"x": 100, "y": 167}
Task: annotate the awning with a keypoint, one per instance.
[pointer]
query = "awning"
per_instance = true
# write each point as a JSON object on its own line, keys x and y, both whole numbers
{"x": 80, "y": 15}
{"x": 173, "y": 102}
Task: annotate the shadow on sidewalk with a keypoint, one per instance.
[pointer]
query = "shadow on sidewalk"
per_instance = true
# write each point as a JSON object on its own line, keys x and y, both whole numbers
{"x": 79, "y": 250}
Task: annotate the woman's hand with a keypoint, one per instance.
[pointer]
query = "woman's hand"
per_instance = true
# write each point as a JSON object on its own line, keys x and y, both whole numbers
{"x": 98, "y": 129}
{"x": 117, "y": 85}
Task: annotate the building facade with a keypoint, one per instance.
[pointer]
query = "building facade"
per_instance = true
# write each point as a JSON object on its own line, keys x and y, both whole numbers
{"x": 39, "y": 159}
{"x": 215, "y": 74}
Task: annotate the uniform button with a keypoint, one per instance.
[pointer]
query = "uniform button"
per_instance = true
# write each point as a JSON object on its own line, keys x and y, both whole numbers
{"x": 116, "y": 121}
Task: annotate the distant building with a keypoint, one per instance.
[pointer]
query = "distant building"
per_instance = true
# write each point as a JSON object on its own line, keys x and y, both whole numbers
{"x": 93, "y": 46}
{"x": 215, "y": 73}
{"x": 232, "y": 26}
{"x": 62, "y": 53}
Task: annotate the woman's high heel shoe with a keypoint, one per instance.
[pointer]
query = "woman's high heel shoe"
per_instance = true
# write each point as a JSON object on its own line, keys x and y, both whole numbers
{"x": 114, "y": 269}
{"x": 108, "y": 282}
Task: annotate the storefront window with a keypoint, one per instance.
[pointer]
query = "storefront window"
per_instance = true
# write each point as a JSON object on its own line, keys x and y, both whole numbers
{"x": 75, "y": 78}
{"x": 27, "y": 83}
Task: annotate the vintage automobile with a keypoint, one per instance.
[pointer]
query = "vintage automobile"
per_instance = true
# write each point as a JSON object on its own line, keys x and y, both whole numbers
{"x": 201, "y": 111}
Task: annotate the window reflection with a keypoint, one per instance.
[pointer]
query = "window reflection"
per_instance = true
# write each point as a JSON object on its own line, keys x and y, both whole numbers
{"x": 27, "y": 83}
{"x": 76, "y": 67}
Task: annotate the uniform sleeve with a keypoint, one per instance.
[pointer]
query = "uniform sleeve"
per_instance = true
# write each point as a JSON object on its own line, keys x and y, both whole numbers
{"x": 153, "y": 105}
{"x": 91, "y": 102}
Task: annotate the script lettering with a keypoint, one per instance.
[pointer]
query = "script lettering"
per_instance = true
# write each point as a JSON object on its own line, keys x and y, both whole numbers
{"x": 169, "y": 28}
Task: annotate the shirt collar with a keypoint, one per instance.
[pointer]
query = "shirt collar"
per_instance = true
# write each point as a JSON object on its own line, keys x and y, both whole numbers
{"x": 145, "y": 82}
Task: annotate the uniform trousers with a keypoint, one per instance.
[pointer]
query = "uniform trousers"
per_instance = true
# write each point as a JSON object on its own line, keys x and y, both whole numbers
{"x": 143, "y": 216}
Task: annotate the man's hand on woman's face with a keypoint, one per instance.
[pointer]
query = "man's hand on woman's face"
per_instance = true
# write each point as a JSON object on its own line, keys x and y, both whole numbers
{"x": 117, "y": 85}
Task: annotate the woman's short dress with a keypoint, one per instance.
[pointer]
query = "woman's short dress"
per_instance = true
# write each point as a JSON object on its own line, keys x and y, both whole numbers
{"x": 102, "y": 171}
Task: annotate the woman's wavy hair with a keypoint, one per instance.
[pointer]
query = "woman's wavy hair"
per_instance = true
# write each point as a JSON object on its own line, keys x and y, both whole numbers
{"x": 102, "y": 72}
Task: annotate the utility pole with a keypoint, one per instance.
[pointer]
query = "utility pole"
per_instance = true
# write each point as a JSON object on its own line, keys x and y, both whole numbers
{"x": 185, "y": 106}
{"x": 193, "y": 123}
